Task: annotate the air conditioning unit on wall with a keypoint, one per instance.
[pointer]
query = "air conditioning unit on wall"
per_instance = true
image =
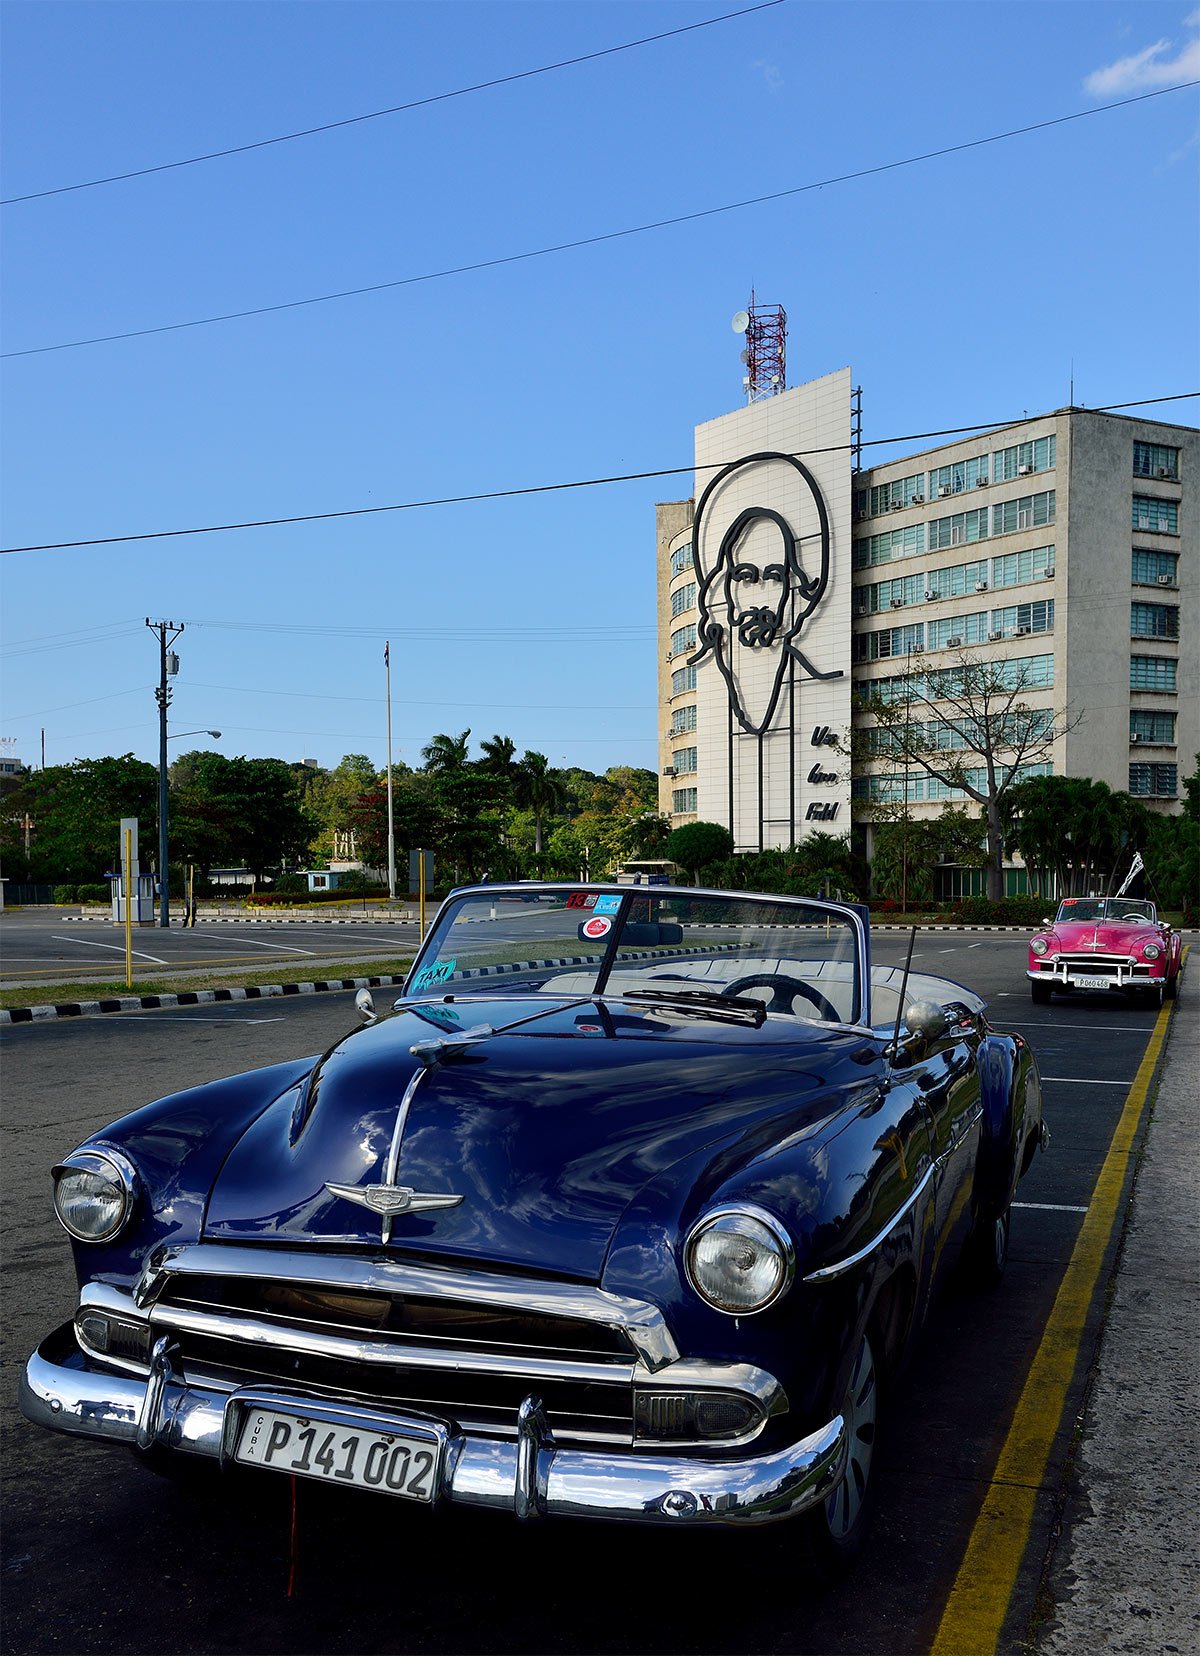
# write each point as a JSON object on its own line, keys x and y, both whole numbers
{"x": 1166, "y": 580}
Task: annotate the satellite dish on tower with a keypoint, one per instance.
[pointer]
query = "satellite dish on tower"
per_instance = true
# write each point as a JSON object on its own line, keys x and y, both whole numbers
{"x": 745, "y": 358}
{"x": 741, "y": 321}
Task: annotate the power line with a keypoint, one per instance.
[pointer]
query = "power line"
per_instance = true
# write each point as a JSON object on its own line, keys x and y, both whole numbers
{"x": 597, "y": 240}
{"x": 394, "y": 109}
{"x": 549, "y": 488}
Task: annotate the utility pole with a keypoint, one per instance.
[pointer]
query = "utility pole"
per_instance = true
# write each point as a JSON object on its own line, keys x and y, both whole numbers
{"x": 168, "y": 666}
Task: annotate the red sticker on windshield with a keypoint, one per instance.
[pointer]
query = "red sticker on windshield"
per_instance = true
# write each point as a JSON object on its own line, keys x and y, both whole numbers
{"x": 598, "y": 926}
{"x": 581, "y": 899}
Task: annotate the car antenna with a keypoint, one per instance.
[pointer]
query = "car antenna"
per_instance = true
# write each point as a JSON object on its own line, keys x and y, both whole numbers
{"x": 895, "y": 1042}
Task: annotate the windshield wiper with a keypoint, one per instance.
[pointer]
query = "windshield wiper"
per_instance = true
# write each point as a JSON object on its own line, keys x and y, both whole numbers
{"x": 705, "y": 1003}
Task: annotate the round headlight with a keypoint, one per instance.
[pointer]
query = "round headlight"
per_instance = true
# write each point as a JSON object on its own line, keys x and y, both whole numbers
{"x": 739, "y": 1260}
{"x": 93, "y": 1195}
{"x": 1039, "y": 945}
{"x": 1151, "y": 951}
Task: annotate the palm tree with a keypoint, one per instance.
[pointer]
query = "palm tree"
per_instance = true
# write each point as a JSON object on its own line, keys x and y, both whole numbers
{"x": 446, "y": 753}
{"x": 499, "y": 755}
{"x": 538, "y": 789}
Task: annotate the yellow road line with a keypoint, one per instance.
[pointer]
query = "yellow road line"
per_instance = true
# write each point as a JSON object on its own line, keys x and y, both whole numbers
{"x": 978, "y": 1603}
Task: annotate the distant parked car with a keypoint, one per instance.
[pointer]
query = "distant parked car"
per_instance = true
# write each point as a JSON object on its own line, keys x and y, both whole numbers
{"x": 1105, "y": 943}
{"x": 625, "y": 1213}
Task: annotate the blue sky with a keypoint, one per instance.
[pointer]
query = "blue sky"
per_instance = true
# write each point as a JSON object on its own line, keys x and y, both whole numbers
{"x": 964, "y": 289}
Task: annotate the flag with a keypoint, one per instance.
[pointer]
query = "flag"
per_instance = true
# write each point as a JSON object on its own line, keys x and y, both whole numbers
{"x": 1135, "y": 867}
{"x": 386, "y": 657}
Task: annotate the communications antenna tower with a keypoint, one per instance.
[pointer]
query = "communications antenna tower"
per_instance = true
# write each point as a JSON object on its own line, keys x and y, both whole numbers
{"x": 765, "y": 354}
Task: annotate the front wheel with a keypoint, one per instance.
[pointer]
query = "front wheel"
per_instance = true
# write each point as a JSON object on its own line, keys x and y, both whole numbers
{"x": 1040, "y": 993}
{"x": 841, "y": 1522}
{"x": 1173, "y": 987}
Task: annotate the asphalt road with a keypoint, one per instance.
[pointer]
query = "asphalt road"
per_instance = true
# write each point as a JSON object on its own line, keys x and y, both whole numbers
{"x": 101, "y": 1555}
{"x": 41, "y": 947}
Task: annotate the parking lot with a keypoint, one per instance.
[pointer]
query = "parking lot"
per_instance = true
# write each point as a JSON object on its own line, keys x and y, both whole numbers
{"x": 100, "y": 1555}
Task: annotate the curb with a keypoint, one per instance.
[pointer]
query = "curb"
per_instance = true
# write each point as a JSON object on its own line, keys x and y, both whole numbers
{"x": 188, "y": 997}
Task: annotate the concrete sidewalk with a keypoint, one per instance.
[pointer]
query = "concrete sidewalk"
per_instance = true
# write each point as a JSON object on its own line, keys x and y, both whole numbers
{"x": 1126, "y": 1573}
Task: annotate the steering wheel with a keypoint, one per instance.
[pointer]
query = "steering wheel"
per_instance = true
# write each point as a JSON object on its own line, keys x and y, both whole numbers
{"x": 784, "y": 991}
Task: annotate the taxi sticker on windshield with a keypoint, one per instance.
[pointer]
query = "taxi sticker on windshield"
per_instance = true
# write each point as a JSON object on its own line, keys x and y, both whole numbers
{"x": 607, "y": 905}
{"x": 598, "y": 926}
{"x": 434, "y": 974}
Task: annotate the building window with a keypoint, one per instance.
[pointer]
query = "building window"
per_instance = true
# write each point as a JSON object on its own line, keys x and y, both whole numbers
{"x": 958, "y": 580}
{"x": 1152, "y": 673}
{"x": 1154, "y": 781}
{"x": 963, "y": 527}
{"x": 683, "y": 598}
{"x": 1155, "y": 568}
{"x": 959, "y": 475}
{"x": 898, "y": 787}
{"x": 892, "y": 641}
{"x": 1022, "y": 459}
{"x": 1146, "y": 726}
{"x": 1024, "y": 618}
{"x": 1015, "y": 568}
{"x": 681, "y": 559}
{"x": 894, "y": 543}
{"x": 1154, "y": 460}
{"x": 684, "y": 761}
{"x": 901, "y": 491}
{"x": 683, "y": 639}
{"x": 1160, "y": 517}
{"x": 683, "y": 799}
{"x": 1028, "y": 512}
{"x": 682, "y": 680}
{"x": 883, "y": 595}
{"x": 952, "y": 631}
{"x": 1154, "y": 620}
{"x": 683, "y": 718}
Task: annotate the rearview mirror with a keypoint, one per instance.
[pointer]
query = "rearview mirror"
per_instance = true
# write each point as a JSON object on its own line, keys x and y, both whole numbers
{"x": 364, "y": 1002}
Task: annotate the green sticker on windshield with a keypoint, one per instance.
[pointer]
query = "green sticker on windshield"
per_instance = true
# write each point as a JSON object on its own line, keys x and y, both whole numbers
{"x": 434, "y": 974}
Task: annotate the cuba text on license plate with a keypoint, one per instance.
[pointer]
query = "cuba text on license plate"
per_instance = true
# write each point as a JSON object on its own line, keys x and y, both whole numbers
{"x": 366, "y": 1458}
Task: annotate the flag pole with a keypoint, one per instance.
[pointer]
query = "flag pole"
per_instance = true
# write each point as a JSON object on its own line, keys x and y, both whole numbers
{"x": 387, "y": 667}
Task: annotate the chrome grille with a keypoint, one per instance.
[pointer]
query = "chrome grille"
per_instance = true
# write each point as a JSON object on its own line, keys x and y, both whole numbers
{"x": 471, "y": 1364}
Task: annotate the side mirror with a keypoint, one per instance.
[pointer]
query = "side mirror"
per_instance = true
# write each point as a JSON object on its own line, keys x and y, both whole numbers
{"x": 364, "y": 1003}
{"x": 1047, "y": 922}
{"x": 927, "y": 1020}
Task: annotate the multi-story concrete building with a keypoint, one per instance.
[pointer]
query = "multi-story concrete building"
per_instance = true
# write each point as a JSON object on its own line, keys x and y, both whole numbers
{"x": 1064, "y": 547}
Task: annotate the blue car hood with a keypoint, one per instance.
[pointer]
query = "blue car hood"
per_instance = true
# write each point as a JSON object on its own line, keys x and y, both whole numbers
{"x": 546, "y": 1132}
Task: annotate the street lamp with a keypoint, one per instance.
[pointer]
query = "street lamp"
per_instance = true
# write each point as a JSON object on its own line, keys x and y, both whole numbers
{"x": 177, "y": 734}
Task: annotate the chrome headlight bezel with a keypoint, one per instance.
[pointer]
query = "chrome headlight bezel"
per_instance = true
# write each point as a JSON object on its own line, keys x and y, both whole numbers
{"x": 1040, "y": 946}
{"x": 117, "y": 1174}
{"x": 757, "y": 1225}
{"x": 1152, "y": 951}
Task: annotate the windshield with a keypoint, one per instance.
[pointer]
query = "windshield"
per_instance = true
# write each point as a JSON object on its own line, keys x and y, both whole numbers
{"x": 1105, "y": 908}
{"x": 794, "y": 958}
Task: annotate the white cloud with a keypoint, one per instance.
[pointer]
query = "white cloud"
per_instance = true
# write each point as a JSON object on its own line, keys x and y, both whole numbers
{"x": 771, "y": 74}
{"x": 1149, "y": 69}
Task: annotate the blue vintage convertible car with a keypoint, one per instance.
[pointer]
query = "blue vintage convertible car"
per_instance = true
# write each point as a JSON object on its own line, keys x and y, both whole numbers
{"x": 626, "y": 1211}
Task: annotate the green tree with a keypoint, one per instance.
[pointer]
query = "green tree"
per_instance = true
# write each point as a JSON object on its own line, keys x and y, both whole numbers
{"x": 698, "y": 843}
{"x": 499, "y": 756}
{"x": 74, "y": 813}
{"x": 1071, "y": 831}
{"x": 539, "y": 789}
{"x": 239, "y": 812}
{"x": 446, "y": 753}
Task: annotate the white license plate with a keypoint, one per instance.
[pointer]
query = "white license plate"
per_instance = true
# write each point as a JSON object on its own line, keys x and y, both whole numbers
{"x": 361, "y": 1456}
{"x": 1092, "y": 982}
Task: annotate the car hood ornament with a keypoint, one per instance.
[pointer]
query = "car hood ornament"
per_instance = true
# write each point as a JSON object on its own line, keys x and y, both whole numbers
{"x": 390, "y": 1200}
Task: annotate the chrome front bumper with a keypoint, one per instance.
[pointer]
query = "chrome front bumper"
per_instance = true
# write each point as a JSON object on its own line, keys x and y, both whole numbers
{"x": 533, "y": 1477}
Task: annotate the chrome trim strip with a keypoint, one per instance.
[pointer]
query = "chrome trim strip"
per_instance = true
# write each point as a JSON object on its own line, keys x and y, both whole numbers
{"x": 60, "y": 1391}
{"x": 642, "y": 1323}
{"x": 827, "y": 1272}
{"x": 254, "y": 1334}
{"x": 393, "y": 1159}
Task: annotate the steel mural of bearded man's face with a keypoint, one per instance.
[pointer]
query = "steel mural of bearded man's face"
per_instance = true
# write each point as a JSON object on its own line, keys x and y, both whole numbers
{"x": 757, "y": 596}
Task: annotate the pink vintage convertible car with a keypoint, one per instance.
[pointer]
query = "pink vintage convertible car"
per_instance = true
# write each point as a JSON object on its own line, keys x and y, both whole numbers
{"x": 1105, "y": 943}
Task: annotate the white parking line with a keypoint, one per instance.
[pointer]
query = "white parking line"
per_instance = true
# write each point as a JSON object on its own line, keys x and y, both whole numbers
{"x": 177, "y": 1017}
{"x": 283, "y": 948}
{"x": 1050, "y": 1207}
{"x": 119, "y": 948}
{"x": 1086, "y": 1081}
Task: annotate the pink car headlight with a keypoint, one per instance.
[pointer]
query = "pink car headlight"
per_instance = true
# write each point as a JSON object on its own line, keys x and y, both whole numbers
{"x": 1151, "y": 950}
{"x": 1039, "y": 945}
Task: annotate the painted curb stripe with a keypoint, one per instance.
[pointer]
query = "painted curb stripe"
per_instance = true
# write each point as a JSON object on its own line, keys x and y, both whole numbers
{"x": 973, "y": 1619}
{"x": 189, "y": 997}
